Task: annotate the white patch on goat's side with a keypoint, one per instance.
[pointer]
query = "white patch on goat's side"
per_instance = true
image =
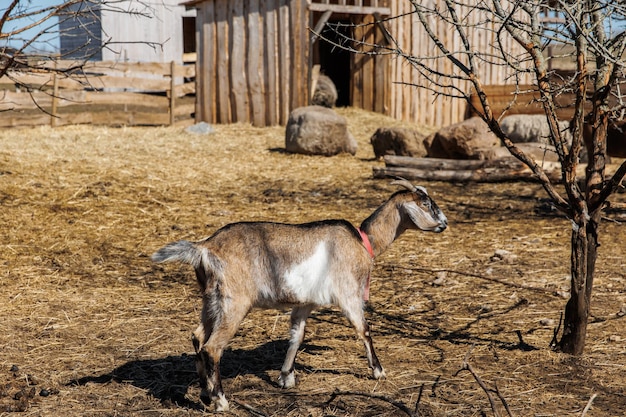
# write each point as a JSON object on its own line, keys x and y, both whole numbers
{"x": 309, "y": 280}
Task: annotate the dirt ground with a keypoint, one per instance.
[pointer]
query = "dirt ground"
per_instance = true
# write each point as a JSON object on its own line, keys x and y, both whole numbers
{"x": 91, "y": 327}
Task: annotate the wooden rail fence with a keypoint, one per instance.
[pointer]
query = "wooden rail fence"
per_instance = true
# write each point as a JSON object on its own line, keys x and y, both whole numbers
{"x": 104, "y": 93}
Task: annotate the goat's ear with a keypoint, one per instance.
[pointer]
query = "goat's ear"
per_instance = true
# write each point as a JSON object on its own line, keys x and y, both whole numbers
{"x": 422, "y": 217}
{"x": 415, "y": 213}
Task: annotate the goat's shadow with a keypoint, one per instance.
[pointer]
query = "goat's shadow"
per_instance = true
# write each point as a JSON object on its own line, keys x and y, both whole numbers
{"x": 168, "y": 379}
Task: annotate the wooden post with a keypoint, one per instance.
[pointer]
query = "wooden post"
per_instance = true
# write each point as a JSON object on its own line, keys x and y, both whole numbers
{"x": 315, "y": 76}
{"x": 55, "y": 100}
{"x": 172, "y": 93}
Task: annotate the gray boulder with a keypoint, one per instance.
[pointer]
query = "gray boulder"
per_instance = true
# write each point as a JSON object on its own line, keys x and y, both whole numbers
{"x": 325, "y": 92}
{"x": 539, "y": 151}
{"x": 531, "y": 128}
{"x": 317, "y": 130}
{"x": 397, "y": 141}
{"x": 464, "y": 140}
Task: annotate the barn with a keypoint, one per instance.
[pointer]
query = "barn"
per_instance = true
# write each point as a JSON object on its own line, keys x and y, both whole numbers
{"x": 131, "y": 31}
{"x": 258, "y": 60}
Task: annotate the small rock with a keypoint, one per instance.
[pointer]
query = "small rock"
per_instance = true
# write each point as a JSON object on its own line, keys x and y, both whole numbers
{"x": 44, "y": 393}
{"x": 485, "y": 308}
{"x": 202, "y": 128}
{"x": 503, "y": 255}
{"x": 547, "y": 322}
{"x": 440, "y": 279}
{"x": 615, "y": 338}
{"x": 622, "y": 311}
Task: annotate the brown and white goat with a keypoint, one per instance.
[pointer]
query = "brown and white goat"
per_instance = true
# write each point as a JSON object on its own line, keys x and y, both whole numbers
{"x": 269, "y": 265}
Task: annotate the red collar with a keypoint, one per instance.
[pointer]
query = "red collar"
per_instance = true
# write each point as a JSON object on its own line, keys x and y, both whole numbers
{"x": 366, "y": 242}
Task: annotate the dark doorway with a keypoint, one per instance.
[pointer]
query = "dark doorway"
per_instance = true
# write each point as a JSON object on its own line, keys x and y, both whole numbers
{"x": 189, "y": 34}
{"x": 334, "y": 60}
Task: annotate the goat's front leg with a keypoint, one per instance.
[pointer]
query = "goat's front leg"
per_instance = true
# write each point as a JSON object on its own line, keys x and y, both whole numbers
{"x": 287, "y": 378}
{"x": 354, "y": 313}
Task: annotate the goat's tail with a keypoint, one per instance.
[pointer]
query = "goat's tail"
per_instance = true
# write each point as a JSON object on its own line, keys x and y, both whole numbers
{"x": 207, "y": 265}
{"x": 181, "y": 251}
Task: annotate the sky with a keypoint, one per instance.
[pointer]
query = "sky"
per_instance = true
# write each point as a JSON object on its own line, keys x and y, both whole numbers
{"x": 47, "y": 42}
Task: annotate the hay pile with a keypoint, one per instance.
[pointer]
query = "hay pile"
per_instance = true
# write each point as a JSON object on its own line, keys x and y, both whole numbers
{"x": 97, "y": 329}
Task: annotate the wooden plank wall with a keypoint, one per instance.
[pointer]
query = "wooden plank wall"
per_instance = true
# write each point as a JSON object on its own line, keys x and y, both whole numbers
{"x": 154, "y": 33}
{"x": 523, "y": 100}
{"x": 253, "y": 60}
{"x": 420, "y": 105}
{"x": 106, "y": 92}
{"x": 370, "y": 72}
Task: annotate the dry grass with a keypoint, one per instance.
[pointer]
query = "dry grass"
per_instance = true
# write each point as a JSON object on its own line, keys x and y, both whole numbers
{"x": 88, "y": 318}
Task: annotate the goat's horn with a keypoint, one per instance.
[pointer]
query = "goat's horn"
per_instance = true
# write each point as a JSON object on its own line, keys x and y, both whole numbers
{"x": 404, "y": 183}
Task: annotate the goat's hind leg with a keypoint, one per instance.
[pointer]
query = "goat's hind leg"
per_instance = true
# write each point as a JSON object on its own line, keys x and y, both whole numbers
{"x": 210, "y": 345}
{"x": 199, "y": 338}
{"x": 287, "y": 378}
{"x": 354, "y": 313}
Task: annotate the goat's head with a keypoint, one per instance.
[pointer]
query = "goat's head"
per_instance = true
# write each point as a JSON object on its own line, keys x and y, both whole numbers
{"x": 420, "y": 209}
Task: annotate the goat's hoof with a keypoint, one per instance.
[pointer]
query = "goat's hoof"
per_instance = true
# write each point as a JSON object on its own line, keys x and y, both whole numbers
{"x": 379, "y": 373}
{"x": 221, "y": 404}
{"x": 205, "y": 398}
{"x": 287, "y": 380}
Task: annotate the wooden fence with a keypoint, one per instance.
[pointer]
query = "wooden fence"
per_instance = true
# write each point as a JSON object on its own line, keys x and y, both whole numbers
{"x": 103, "y": 93}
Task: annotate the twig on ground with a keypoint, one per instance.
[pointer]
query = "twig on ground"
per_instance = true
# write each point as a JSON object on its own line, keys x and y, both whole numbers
{"x": 399, "y": 405}
{"x": 588, "y": 406}
{"x": 503, "y": 400}
{"x": 417, "y": 403}
{"x": 467, "y": 367}
{"x": 555, "y": 342}
{"x": 486, "y": 278}
{"x": 250, "y": 409}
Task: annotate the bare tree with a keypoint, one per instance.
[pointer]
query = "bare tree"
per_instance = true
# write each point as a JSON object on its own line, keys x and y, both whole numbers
{"x": 586, "y": 26}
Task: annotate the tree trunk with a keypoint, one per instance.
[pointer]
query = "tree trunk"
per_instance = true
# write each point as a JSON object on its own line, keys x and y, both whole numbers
{"x": 583, "y": 261}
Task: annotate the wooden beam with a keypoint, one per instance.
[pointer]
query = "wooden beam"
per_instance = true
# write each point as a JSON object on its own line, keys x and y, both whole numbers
{"x": 55, "y": 100}
{"x": 315, "y": 76}
{"x": 239, "y": 93}
{"x": 172, "y": 92}
{"x": 383, "y": 29}
{"x": 320, "y": 25}
{"x": 254, "y": 66}
{"x": 223, "y": 84}
{"x": 337, "y": 8}
{"x": 269, "y": 12}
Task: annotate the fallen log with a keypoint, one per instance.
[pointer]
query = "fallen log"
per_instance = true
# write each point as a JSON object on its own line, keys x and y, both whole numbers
{"x": 449, "y": 164}
{"x": 495, "y": 170}
{"x": 490, "y": 174}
